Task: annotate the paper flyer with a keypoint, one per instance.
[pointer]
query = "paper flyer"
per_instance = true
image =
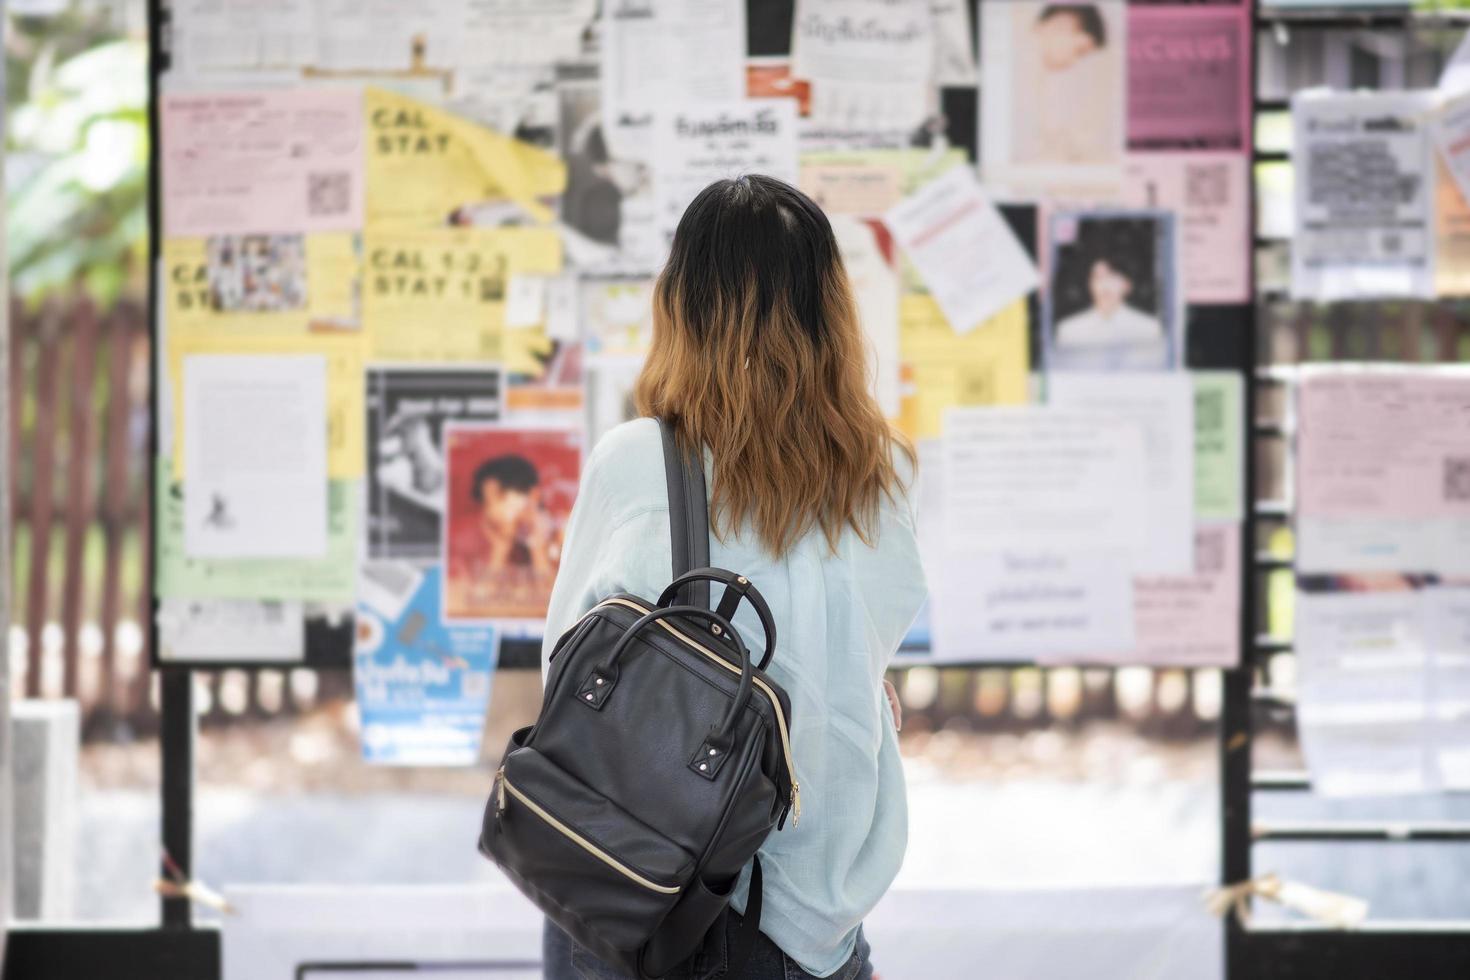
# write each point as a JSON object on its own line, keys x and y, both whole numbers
{"x": 261, "y": 162}
{"x": 1383, "y": 684}
{"x": 255, "y": 439}
{"x": 659, "y": 51}
{"x": 438, "y": 294}
{"x": 509, "y": 496}
{"x": 1053, "y": 95}
{"x": 231, "y": 630}
{"x": 868, "y": 256}
{"x": 871, "y": 64}
{"x": 941, "y": 369}
{"x": 1363, "y": 195}
{"x": 330, "y": 578}
{"x": 1112, "y": 302}
{"x": 211, "y": 36}
{"x": 343, "y": 355}
{"x": 1162, "y": 406}
{"x": 1451, "y": 133}
{"x": 962, "y": 247}
{"x": 1044, "y": 511}
{"x": 262, "y": 284}
{"x": 422, "y": 684}
{"x": 608, "y": 212}
{"x": 1189, "y": 77}
{"x": 1183, "y": 620}
{"x": 699, "y": 143}
{"x": 1209, "y": 194}
{"x": 1451, "y": 234}
{"x": 424, "y": 164}
{"x": 1219, "y": 445}
{"x": 617, "y": 317}
{"x": 407, "y": 411}
{"x": 1383, "y": 470}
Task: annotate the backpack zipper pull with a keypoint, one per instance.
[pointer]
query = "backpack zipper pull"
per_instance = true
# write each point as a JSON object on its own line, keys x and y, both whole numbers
{"x": 500, "y": 791}
{"x": 795, "y": 804}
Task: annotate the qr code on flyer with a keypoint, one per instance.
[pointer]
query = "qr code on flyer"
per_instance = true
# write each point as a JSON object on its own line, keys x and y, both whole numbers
{"x": 328, "y": 194}
{"x": 1209, "y": 553}
{"x": 1207, "y": 185}
{"x": 1457, "y": 478}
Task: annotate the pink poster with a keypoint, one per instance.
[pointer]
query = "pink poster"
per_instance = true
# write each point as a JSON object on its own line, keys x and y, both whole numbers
{"x": 260, "y": 162}
{"x": 1384, "y": 443}
{"x": 1189, "y": 76}
{"x": 1187, "y": 620}
{"x": 1210, "y": 192}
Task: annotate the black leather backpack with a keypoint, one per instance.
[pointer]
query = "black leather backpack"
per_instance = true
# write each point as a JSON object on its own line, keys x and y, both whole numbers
{"x": 659, "y": 763}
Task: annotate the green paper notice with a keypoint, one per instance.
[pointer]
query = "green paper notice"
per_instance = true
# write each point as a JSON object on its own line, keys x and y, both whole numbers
{"x": 1219, "y": 466}
{"x": 330, "y": 578}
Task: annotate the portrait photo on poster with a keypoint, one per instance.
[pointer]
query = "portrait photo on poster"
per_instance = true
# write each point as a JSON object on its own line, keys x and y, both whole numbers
{"x": 508, "y": 498}
{"x": 1053, "y": 93}
{"x": 1111, "y": 301}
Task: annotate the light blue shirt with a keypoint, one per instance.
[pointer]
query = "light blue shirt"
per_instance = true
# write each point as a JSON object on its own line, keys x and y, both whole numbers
{"x": 839, "y": 618}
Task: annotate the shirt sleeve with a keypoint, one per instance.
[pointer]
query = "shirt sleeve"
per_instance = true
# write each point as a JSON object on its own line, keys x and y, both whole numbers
{"x": 608, "y": 548}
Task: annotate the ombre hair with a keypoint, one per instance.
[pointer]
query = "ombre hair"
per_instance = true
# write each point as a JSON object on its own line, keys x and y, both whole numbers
{"x": 758, "y": 355}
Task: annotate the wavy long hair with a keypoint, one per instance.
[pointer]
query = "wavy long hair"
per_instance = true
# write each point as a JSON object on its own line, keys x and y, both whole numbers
{"x": 758, "y": 354}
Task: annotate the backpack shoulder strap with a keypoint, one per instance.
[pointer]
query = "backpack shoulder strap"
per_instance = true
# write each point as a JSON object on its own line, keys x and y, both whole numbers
{"x": 688, "y": 515}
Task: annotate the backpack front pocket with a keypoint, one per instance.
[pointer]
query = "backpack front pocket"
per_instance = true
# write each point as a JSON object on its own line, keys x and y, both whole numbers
{"x": 582, "y": 854}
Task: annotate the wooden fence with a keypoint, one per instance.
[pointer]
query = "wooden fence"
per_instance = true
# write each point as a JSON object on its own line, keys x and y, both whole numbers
{"x": 78, "y": 457}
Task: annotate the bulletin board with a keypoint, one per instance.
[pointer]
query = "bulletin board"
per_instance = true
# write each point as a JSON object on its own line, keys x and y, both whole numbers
{"x": 1207, "y": 305}
{"x": 447, "y": 246}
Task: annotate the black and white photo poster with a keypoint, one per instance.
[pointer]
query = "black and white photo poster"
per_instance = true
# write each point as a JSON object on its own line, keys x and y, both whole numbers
{"x": 407, "y": 409}
{"x": 1364, "y": 200}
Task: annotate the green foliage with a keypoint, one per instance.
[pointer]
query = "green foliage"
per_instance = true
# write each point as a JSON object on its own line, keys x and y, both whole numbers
{"x": 77, "y": 170}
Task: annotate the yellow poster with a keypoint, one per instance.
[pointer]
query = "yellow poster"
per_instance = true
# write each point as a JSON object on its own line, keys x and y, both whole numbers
{"x": 438, "y": 294}
{"x": 345, "y": 357}
{"x": 423, "y": 163}
{"x": 940, "y": 368}
{"x": 261, "y": 284}
{"x": 1451, "y": 234}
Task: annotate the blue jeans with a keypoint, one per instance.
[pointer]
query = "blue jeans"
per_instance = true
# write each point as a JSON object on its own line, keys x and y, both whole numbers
{"x": 563, "y": 959}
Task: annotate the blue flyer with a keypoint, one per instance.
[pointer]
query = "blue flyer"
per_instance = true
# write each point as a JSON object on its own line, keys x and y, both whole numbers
{"x": 422, "y": 684}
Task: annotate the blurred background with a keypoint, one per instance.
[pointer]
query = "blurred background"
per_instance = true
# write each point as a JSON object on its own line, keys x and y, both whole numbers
{"x": 1017, "y": 777}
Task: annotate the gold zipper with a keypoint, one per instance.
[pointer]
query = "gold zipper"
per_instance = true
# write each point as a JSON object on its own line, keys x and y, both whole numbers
{"x": 775, "y": 702}
{"x": 576, "y": 838}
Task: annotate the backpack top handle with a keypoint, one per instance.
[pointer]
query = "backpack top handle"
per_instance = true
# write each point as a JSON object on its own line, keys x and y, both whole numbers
{"x": 605, "y": 675}
{"x": 737, "y": 587}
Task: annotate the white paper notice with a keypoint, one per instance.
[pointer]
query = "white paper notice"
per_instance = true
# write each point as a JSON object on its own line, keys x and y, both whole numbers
{"x": 1044, "y": 509}
{"x": 963, "y": 248}
{"x": 870, "y": 62}
{"x": 1364, "y": 195}
{"x": 1384, "y": 689}
{"x": 213, "y": 35}
{"x": 255, "y": 456}
{"x": 1162, "y": 405}
{"x": 699, "y": 143}
{"x": 875, "y": 286}
{"x": 657, "y": 52}
{"x": 246, "y": 630}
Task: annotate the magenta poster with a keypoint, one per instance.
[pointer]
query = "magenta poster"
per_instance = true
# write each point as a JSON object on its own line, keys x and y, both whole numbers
{"x": 1189, "y": 78}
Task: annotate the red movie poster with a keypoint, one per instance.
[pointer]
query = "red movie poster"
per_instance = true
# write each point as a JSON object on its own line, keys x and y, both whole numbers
{"x": 509, "y": 494}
